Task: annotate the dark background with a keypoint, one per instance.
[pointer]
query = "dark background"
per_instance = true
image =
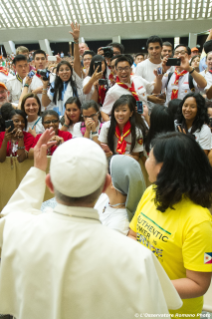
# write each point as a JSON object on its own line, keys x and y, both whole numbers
{"x": 131, "y": 45}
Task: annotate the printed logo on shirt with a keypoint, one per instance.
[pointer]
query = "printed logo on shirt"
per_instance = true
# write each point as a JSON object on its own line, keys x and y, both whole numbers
{"x": 208, "y": 258}
{"x": 186, "y": 91}
{"x": 140, "y": 141}
{"x": 185, "y": 83}
{"x": 140, "y": 87}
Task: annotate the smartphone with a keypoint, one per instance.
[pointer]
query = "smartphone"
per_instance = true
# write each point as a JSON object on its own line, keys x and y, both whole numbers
{"x": 98, "y": 64}
{"x": 105, "y": 148}
{"x": 9, "y": 123}
{"x": 139, "y": 107}
{"x": 52, "y": 58}
{"x": 102, "y": 82}
{"x": 159, "y": 70}
{"x": 173, "y": 62}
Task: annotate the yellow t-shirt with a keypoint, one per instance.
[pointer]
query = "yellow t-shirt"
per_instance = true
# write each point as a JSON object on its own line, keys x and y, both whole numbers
{"x": 181, "y": 239}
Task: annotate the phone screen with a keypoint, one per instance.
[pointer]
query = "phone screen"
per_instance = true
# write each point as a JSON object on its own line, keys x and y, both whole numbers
{"x": 98, "y": 64}
{"x": 139, "y": 107}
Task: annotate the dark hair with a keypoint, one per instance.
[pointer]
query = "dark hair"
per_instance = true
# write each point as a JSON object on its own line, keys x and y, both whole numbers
{"x": 114, "y": 57}
{"x": 123, "y": 58}
{"x": 97, "y": 58}
{"x": 18, "y": 58}
{"x": 208, "y": 104}
{"x": 135, "y": 120}
{"x": 91, "y": 103}
{"x": 39, "y": 52}
{"x": 154, "y": 39}
{"x": 89, "y": 52}
{"x": 173, "y": 106}
{"x": 161, "y": 121}
{"x": 207, "y": 46}
{"x": 28, "y": 96}
{"x": 58, "y": 84}
{"x": 49, "y": 112}
{"x": 194, "y": 57}
{"x": 76, "y": 101}
{"x": 117, "y": 45}
{"x": 185, "y": 46}
{"x": 185, "y": 171}
{"x": 6, "y": 109}
{"x": 139, "y": 54}
{"x": 167, "y": 44}
{"x": 18, "y": 112}
{"x": 201, "y": 117}
{"x": 129, "y": 58}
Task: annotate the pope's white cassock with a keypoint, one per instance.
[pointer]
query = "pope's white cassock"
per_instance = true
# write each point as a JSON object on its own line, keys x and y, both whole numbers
{"x": 65, "y": 265}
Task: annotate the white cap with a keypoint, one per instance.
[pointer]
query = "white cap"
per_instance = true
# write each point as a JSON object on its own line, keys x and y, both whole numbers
{"x": 78, "y": 167}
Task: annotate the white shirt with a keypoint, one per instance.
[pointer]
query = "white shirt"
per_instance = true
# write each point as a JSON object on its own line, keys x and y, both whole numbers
{"x": 208, "y": 77}
{"x": 114, "y": 218}
{"x": 87, "y": 97}
{"x": 4, "y": 78}
{"x": 14, "y": 86}
{"x": 65, "y": 264}
{"x": 77, "y": 130}
{"x": 69, "y": 129}
{"x": 145, "y": 69}
{"x": 137, "y": 148}
{"x": 182, "y": 86}
{"x": 142, "y": 88}
{"x": 38, "y": 126}
{"x": 35, "y": 84}
{"x": 202, "y": 137}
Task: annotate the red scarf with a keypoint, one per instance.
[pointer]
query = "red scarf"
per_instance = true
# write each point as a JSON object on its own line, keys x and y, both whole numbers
{"x": 121, "y": 145}
{"x": 131, "y": 89}
{"x": 177, "y": 76}
{"x": 5, "y": 72}
{"x": 111, "y": 78}
{"x": 102, "y": 92}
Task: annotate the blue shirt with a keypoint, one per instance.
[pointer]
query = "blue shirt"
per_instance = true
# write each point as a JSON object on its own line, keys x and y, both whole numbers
{"x": 202, "y": 65}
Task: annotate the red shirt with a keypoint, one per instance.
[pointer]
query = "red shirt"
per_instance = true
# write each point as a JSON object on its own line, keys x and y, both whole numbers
{"x": 28, "y": 142}
{"x": 65, "y": 135}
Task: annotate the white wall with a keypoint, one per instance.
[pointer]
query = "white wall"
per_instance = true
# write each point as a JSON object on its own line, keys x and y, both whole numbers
{"x": 107, "y": 31}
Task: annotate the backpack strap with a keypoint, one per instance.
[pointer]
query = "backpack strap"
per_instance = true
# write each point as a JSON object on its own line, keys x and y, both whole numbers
{"x": 169, "y": 77}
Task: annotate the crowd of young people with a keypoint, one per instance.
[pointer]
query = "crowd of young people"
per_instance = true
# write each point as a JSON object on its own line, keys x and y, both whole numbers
{"x": 142, "y": 111}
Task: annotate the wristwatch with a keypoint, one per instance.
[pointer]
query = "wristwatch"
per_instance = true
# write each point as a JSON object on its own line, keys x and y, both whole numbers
{"x": 192, "y": 71}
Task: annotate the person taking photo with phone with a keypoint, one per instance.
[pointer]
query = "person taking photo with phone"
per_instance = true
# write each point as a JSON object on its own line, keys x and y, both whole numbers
{"x": 185, "y": 78}
{"x": 15, "y": 141}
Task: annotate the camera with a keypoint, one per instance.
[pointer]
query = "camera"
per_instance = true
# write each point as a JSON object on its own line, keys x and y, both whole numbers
{"x": 102, "y": 82}
{"x": 108, "y": 52}
{"x": 44, "y": 73}
{"x": 31, "y": 74}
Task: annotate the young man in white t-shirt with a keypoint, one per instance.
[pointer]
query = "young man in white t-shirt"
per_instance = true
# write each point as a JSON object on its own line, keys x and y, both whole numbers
{"x": 146, "y": 68}
{"x": 35, "y": 84}
{"x": 124, "y": 84}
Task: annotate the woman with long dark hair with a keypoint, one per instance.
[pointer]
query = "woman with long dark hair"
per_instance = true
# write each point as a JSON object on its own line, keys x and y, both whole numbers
{"x": 173, "y": 220}
{"x": 192, "y": 118}
{"x": 72, "y": 114}
{"x": 125, "y": 131}
{"x": 67, "y": 83}
{"x": 161, "y": 121}
{"x": 91, "y": 88}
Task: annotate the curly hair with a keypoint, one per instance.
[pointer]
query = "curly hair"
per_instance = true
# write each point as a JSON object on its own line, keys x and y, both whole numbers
{"x": 201, "y": 117}
{"x": 186, "y": 171}
{"x": 135, "y": 120}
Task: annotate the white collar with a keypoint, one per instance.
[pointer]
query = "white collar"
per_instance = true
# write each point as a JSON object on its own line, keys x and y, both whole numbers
{"x": 78, "y": 212}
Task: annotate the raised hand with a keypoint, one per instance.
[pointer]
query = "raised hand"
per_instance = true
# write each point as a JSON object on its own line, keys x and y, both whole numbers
{"x": 75, "y": 31}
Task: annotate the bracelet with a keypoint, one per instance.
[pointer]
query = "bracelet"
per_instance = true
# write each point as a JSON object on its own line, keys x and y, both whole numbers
{"x": 44, "y": 93}
{"x": 65, "y": 125}
{"x": 94, "y": 133}
{"x": 21, "y": 147}
{"x": 26, "y": 85}
{"x": 192, "y": 71}
{"x": 45, "y": 89}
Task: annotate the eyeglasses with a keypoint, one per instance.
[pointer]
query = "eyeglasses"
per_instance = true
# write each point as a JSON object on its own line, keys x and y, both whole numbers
{"x": 127, "y": 68}
{"x": 90, "y": 116}
{"x": 52, "y": 121}
{"x": 180, "y": 52}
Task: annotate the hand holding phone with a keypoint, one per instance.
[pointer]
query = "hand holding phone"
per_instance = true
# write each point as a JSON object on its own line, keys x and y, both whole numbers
{"x": 9, "y": 123}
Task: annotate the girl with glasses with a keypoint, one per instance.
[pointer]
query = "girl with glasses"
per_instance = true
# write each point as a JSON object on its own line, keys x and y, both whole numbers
{"x": 91, "y": 126}
{"x": 51, "y": 119}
